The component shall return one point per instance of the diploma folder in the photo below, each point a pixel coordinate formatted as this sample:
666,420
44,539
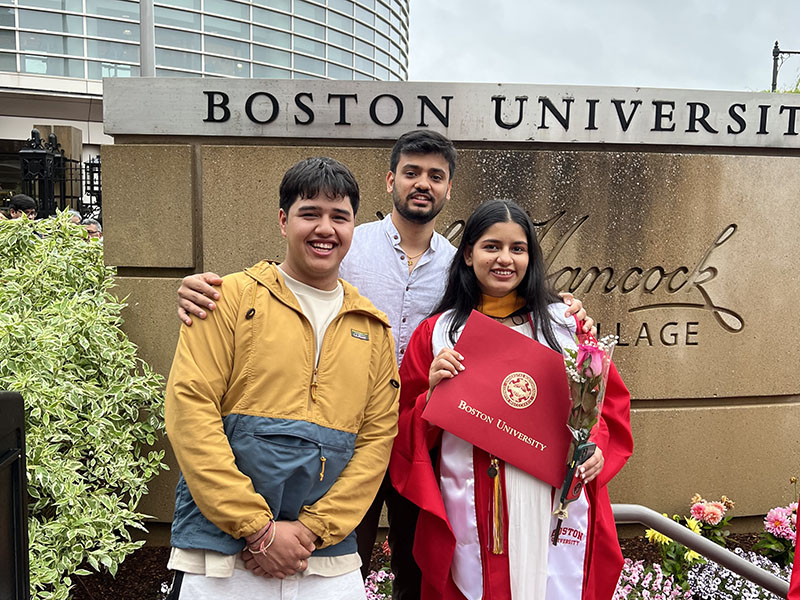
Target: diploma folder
511,400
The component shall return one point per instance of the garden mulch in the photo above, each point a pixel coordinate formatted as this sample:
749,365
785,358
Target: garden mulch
142,575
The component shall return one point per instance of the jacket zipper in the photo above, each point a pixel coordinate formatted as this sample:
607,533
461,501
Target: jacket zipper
314,385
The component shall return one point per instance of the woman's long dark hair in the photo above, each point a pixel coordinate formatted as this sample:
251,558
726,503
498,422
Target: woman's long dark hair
463,293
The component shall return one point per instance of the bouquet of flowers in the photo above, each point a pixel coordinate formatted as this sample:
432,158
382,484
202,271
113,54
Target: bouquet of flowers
587,370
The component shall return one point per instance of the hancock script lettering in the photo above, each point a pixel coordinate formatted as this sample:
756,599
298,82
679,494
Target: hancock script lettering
679,280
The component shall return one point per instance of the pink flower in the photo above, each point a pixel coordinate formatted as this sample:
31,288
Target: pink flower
698,510
589,361
778,524
714,511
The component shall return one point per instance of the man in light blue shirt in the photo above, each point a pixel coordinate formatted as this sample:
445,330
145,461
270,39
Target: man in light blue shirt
400,263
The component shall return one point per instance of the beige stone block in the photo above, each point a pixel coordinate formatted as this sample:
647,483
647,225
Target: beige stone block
151,322
151,317
747,451
148,213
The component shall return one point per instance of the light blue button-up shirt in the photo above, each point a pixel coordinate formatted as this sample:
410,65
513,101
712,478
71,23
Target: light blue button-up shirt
378,267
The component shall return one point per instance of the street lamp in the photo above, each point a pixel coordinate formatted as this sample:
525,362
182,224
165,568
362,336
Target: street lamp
777,53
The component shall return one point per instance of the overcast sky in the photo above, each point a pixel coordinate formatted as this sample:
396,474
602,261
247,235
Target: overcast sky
696,44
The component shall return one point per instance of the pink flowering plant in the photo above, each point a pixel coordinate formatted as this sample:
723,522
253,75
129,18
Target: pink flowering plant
778,541
378,583
712,517
640,582
708,518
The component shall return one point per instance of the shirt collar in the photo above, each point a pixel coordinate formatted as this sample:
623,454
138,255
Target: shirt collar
394,235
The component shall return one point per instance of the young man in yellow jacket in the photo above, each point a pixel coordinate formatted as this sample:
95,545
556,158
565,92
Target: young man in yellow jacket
281,408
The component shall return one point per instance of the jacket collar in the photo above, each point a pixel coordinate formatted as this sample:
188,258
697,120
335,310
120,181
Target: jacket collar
267,274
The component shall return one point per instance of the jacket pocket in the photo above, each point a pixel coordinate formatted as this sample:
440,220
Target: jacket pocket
291,471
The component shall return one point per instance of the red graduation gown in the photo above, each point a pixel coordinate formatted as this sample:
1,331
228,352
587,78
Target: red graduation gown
413,475
794,586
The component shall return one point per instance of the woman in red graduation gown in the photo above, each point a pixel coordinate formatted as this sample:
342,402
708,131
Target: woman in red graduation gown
498,270
794,586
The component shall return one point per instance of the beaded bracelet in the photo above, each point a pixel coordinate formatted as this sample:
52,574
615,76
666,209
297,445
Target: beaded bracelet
262,549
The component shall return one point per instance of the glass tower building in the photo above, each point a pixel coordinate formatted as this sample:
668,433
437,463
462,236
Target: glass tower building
91,39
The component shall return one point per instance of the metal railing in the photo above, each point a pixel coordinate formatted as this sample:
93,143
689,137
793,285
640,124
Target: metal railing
634,513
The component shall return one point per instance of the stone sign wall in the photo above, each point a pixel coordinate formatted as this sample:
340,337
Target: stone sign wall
687,255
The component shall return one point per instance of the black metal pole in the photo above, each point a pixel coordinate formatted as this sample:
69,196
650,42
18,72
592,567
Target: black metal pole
776,52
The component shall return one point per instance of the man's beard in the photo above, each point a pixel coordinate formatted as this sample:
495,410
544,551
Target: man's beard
415,216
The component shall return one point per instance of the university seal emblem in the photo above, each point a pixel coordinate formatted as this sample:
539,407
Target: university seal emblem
518,389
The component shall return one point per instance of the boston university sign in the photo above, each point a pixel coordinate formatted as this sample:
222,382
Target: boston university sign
466,112
671,213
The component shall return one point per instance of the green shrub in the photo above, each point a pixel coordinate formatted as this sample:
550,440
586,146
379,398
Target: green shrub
92,408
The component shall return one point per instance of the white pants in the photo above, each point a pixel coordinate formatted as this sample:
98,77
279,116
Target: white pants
246,586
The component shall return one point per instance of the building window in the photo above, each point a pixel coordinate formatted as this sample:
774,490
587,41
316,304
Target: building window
51,65
98,70
178,59
340,39
279,4
340,56
228,9
306,63
224,66
112,51
227,27
178,39
345,6
338,72
272,55
232,48
272,37
177,18
272,18
113,8
8,62
270,72
56,22
68,5
309,46
117,30
8,40
309,29
52,44
190,4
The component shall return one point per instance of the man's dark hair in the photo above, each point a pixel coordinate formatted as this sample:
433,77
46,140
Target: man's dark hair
311,176
22,202
423,141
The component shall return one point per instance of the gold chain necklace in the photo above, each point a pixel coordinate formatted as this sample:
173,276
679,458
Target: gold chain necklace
411,259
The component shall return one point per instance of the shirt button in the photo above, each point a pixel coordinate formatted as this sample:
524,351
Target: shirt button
404,319
402,350
395,237
407,288
402,257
